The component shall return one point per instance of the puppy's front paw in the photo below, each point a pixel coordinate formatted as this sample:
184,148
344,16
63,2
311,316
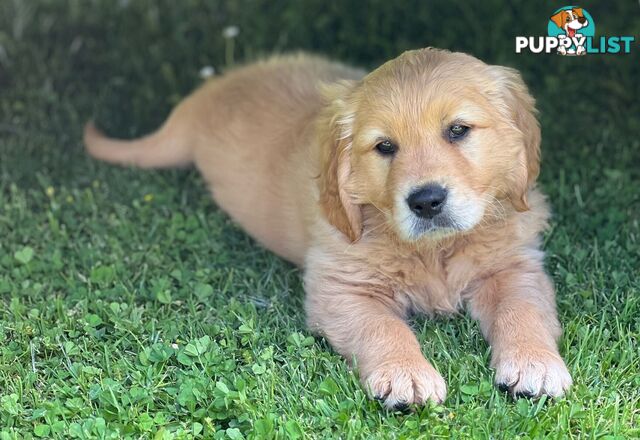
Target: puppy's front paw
399,383
531,373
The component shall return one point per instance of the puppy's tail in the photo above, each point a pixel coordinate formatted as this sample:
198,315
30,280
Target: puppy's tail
165,148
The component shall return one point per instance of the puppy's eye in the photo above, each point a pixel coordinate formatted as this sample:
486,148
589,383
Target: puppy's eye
387,148
457,132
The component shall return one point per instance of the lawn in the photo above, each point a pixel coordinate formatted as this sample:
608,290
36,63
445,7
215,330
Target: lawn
131,307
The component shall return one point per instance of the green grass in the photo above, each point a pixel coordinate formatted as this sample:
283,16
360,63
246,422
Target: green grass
131,307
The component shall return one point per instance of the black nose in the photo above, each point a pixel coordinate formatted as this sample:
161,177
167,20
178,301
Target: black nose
427,202
581,20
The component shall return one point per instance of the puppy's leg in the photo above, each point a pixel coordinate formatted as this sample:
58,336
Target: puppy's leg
363,323
517,314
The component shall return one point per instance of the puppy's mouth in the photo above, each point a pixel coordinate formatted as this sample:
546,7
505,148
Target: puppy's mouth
441,225
415,228
431,213
457,215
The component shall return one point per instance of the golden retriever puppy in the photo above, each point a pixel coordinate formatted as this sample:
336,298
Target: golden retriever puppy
408,189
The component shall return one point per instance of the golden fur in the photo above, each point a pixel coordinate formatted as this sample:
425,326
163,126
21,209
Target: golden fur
287,147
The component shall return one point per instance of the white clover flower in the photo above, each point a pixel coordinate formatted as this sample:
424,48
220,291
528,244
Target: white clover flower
230,32
207,71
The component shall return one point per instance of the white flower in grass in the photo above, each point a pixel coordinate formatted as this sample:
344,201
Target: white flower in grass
207,71
230,32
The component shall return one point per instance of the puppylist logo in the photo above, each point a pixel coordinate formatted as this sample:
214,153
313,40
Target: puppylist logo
571,31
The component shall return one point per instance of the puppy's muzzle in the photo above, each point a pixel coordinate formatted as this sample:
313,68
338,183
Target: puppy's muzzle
427,201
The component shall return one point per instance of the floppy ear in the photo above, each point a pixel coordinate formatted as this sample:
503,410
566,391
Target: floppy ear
522,112
335,137
558,19
578,12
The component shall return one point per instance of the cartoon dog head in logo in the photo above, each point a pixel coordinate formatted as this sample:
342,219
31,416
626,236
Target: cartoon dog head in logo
571,21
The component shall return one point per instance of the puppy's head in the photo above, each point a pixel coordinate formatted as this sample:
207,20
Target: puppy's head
436,141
